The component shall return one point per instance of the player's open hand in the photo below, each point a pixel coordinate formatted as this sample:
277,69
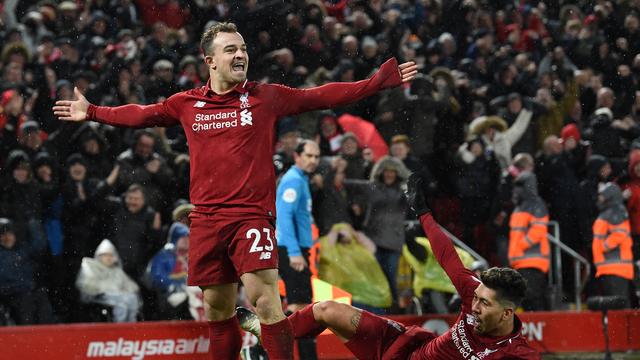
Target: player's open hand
408,70
72,110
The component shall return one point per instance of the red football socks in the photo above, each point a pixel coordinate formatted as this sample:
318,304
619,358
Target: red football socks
225,339
304,323
277,340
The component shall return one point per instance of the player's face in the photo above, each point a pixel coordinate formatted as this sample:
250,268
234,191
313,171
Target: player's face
489,313
308,160
230,59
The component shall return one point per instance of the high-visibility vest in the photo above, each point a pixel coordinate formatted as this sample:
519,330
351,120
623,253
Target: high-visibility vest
611,248
528,243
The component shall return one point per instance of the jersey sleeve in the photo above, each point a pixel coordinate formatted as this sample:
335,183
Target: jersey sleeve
290,101
138,116
287,201
463,279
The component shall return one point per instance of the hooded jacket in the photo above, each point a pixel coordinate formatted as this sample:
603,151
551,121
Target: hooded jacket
95,278
162,273
612,242
528,242
386,205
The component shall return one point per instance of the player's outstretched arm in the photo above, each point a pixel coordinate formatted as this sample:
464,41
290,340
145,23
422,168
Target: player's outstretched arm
291,101
72,110
130,115
441,244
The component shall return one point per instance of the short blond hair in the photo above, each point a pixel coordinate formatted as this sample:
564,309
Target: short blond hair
210,34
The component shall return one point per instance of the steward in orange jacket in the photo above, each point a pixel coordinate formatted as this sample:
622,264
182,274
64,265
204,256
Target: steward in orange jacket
611,235
528,243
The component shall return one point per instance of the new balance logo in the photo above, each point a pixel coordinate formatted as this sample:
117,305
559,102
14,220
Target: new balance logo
265,256
199,104
246,118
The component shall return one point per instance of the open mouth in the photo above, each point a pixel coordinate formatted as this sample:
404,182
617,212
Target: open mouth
238,66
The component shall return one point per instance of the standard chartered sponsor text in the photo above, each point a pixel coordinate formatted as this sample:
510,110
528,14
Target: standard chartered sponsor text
138,349
205,122
462,343
217,116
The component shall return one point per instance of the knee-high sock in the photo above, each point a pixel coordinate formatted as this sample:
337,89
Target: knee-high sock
277,340
304,324
225,339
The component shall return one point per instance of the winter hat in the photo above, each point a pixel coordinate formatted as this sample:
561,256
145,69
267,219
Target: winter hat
178,231
162,64
29,127
6,96
349,135
181,211
67,6
43,158
6,226
17,158
106,247
75,159
570,131
590,19
604,111
401,138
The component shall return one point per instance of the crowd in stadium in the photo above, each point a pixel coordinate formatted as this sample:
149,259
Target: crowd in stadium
538,95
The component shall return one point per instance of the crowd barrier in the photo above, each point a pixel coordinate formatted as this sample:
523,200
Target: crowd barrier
551,332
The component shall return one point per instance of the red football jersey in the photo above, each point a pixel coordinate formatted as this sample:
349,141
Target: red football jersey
460,341
231,136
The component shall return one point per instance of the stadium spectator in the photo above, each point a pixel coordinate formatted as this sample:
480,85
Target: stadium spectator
612,244
528,243
385,211
141,164
332,201
27,303
101,280
84,207
20,196
477,179
136,231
